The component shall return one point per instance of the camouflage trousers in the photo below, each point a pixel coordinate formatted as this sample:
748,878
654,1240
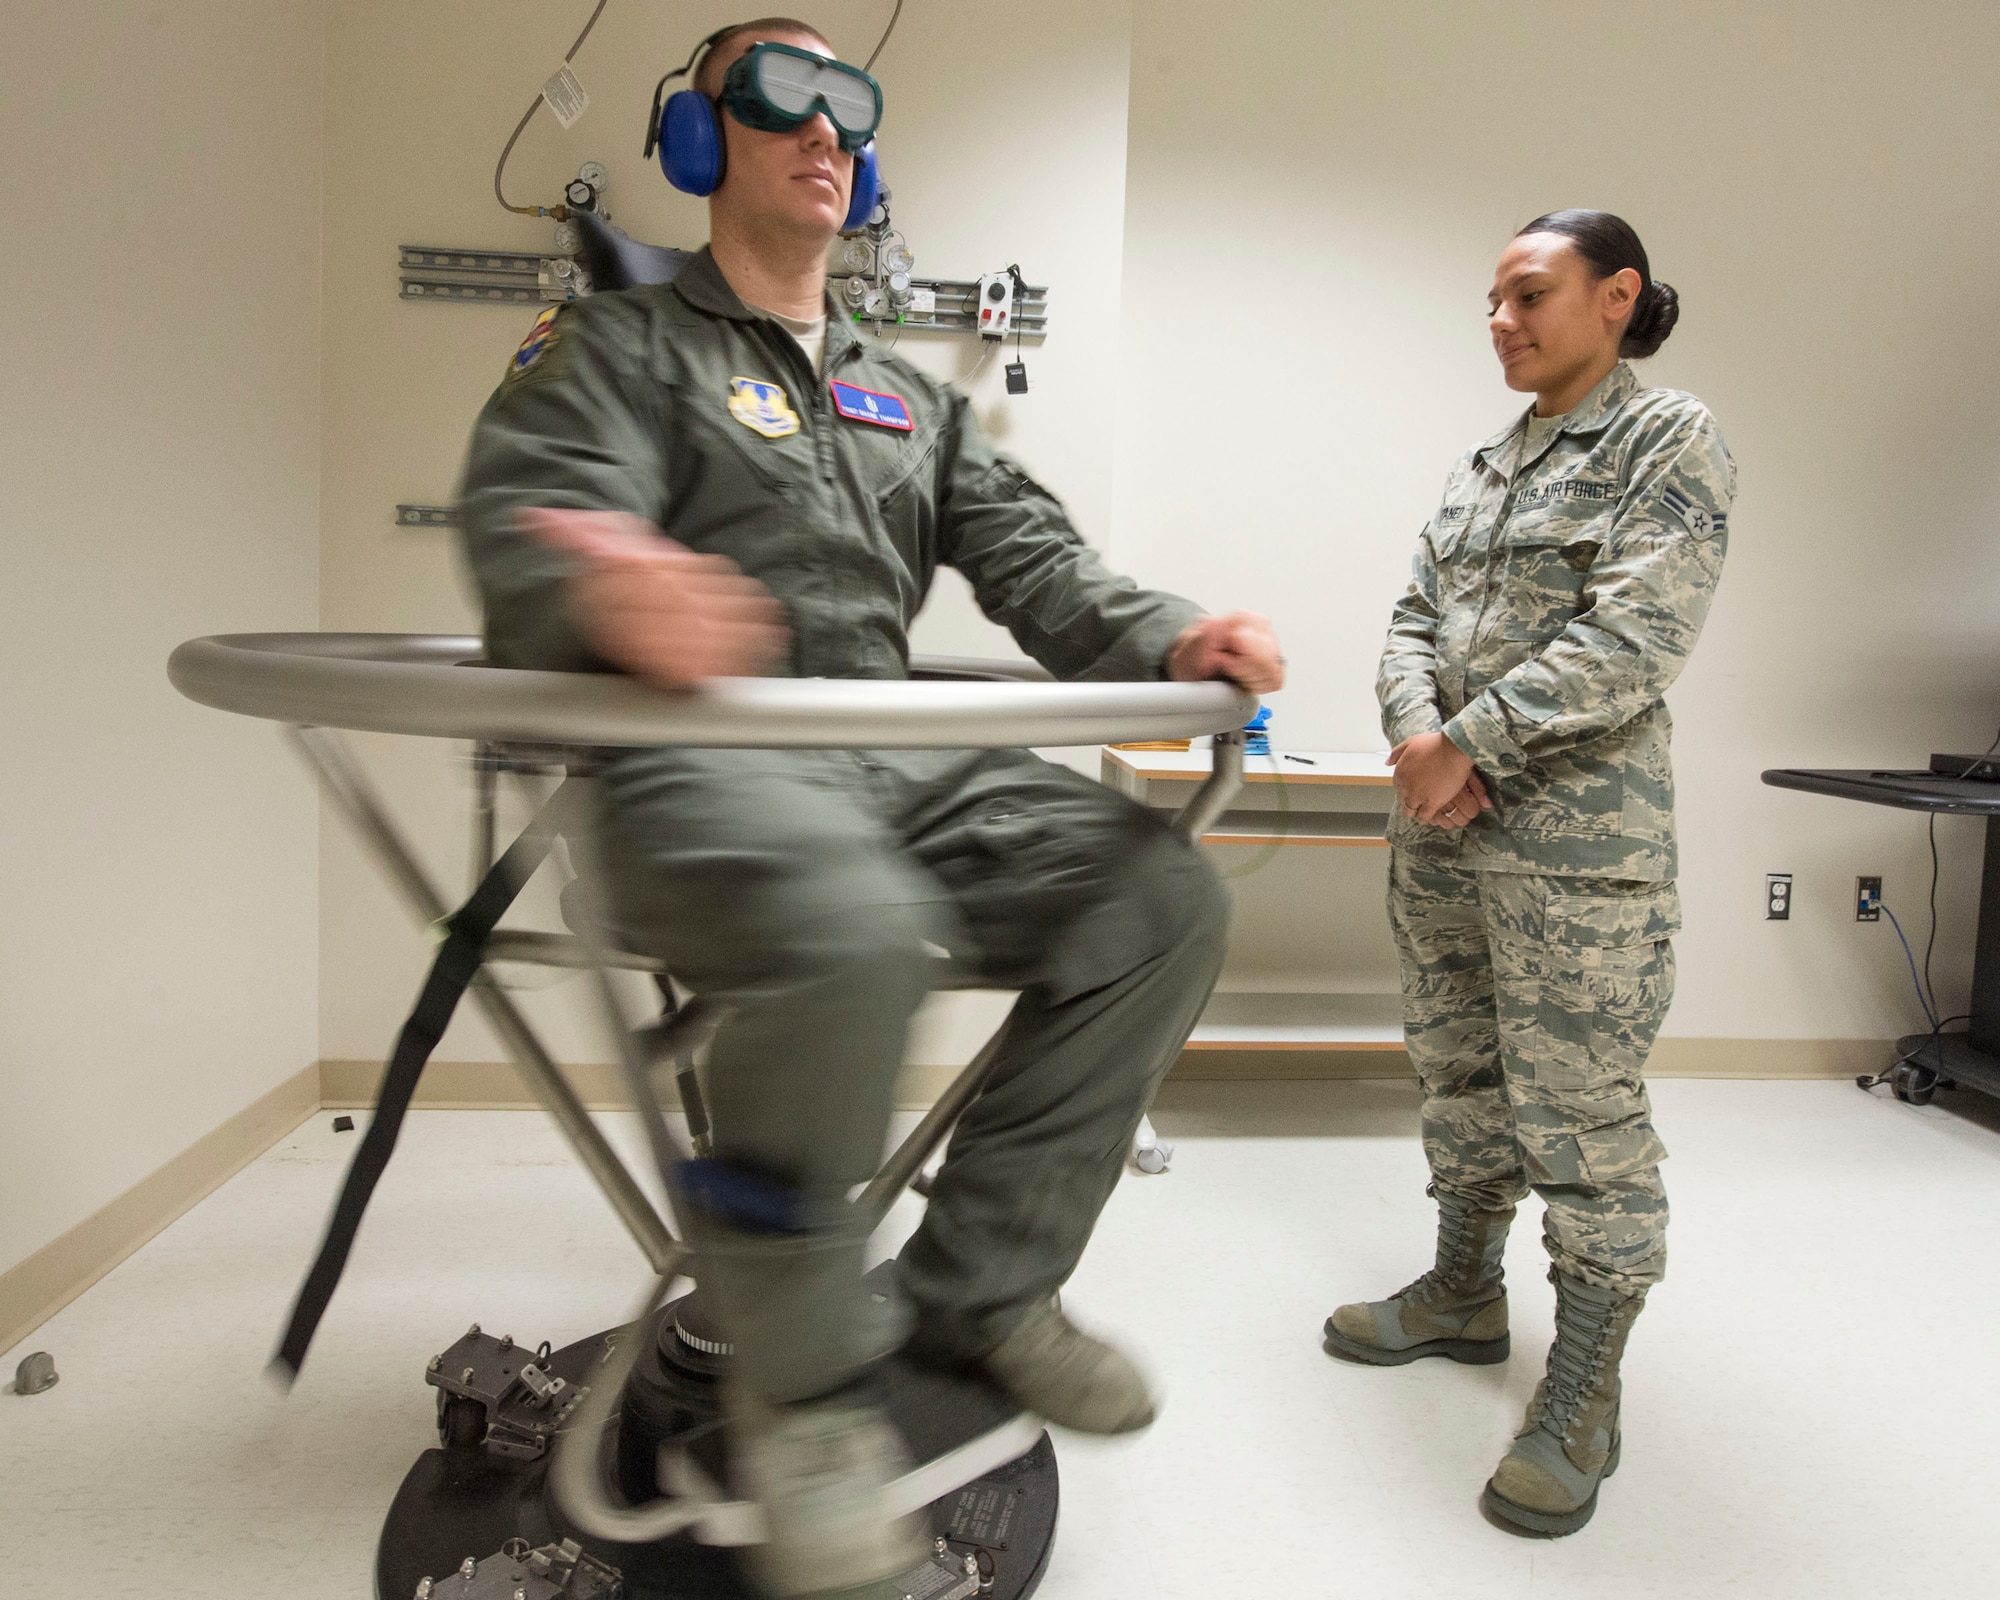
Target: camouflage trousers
1530,1005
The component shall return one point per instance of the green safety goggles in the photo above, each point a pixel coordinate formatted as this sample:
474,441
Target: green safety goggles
776,87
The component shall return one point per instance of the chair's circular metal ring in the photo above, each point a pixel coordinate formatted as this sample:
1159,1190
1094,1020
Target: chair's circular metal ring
425,684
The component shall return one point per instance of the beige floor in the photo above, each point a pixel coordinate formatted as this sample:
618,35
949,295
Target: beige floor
1812,1399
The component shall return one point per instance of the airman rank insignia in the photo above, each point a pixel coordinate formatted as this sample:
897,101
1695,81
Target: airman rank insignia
540,338
762,408
1698,520
871,405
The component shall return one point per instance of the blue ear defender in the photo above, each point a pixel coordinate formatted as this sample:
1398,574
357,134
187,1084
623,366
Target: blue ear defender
691,155
867,188
690,140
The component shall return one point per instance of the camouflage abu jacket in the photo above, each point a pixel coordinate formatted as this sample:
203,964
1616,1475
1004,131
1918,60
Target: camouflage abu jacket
1553,602
842,494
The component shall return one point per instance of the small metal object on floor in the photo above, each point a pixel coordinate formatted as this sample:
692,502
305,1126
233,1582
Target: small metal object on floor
35,1373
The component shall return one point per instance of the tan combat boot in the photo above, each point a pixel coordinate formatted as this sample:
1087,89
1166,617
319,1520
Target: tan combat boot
1457,1309
1053,1368
1569,1442
820,1469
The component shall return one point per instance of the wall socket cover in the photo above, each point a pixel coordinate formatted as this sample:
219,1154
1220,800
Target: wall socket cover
1777,897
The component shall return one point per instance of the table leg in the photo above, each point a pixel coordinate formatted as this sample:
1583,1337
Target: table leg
1984,1033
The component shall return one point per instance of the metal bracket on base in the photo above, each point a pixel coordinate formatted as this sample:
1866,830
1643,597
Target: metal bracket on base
524,1404
552,1572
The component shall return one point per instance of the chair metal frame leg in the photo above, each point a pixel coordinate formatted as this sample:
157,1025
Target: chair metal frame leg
574,1470
356,799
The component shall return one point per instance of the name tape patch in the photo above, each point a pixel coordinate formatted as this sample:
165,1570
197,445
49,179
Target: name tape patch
871,405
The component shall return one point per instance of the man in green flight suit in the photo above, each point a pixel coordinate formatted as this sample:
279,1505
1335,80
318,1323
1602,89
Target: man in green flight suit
690,480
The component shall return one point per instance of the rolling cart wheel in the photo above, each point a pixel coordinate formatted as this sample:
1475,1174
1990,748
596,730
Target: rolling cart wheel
461,1423
1914,1084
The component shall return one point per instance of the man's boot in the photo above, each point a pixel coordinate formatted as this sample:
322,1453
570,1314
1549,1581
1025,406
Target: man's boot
1053,1368
1457,1309
1569,1441
819,1469
1048,1366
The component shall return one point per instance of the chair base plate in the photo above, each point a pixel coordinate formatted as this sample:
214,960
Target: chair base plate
460,1502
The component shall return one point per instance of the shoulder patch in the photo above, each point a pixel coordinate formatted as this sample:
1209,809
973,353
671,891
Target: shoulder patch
1697,519
541,339
762,407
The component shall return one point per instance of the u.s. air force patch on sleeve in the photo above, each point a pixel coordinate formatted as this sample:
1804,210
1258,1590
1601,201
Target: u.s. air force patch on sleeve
1698,519
762,407
541,339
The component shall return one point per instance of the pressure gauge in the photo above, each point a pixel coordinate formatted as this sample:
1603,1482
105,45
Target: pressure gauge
896,256
859,256
568,238
873,302
593,173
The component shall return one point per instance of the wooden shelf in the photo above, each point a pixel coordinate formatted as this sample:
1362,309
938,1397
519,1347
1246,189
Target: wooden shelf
1360,769
1339,798
1300,1022
1362,829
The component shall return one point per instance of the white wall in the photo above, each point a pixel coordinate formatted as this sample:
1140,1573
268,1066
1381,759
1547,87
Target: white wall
159,461
1267,348
420,100
1315,198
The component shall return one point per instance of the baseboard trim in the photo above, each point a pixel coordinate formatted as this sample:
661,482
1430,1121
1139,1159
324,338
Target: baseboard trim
37,1288
1769,1058
498,1086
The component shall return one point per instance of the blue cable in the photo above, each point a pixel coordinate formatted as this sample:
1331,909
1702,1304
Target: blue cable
1909,955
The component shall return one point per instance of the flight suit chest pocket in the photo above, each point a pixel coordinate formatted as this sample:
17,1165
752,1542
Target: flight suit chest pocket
769,452
900,476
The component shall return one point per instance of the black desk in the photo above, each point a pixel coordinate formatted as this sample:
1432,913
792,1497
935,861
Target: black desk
1971,1058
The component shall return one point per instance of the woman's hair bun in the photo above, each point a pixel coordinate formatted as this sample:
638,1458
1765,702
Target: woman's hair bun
1654,314
1610,244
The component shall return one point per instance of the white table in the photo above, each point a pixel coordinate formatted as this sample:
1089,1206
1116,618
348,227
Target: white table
1339,799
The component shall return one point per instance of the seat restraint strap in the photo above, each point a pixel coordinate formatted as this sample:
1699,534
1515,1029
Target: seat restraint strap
457,964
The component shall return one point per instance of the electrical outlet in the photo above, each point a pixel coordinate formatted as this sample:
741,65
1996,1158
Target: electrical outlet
1777,897
1867,899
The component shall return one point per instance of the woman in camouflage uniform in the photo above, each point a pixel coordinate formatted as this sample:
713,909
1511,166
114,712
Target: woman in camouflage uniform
1557,594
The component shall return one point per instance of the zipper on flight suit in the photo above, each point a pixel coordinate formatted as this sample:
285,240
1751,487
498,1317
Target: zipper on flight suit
826,456
792,356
